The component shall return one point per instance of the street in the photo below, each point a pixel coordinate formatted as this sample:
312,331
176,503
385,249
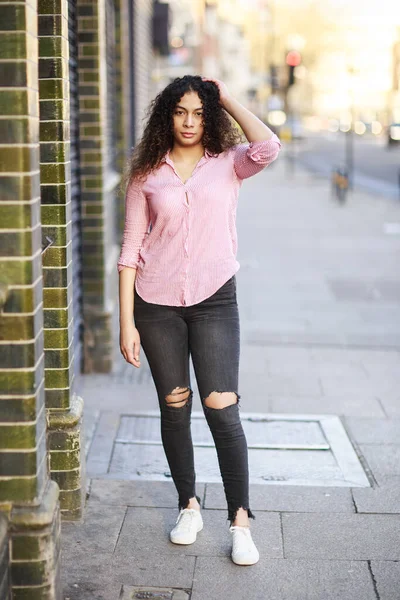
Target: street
377,168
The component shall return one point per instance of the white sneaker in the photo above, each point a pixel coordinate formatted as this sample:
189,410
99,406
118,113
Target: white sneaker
188,524
244,551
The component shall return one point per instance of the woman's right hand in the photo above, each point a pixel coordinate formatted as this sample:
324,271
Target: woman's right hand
129,343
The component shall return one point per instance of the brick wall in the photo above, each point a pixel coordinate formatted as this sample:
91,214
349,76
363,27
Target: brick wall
65,409
23,466
99,182
27,496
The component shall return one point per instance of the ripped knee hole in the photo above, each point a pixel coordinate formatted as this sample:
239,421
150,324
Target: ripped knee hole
220,400
178,397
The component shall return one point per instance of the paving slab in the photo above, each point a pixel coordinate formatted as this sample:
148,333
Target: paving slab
287,498
384,461
348,384
87,574
145,532
98,390
90,569
379,500
391,405
374,431
342,405
137,493
253,363
86,549
90,420
97,532
340,369
294,358
288,384
387,576
220,579
380,362
334,536
91,590
100,450
154,570
342,358
253,394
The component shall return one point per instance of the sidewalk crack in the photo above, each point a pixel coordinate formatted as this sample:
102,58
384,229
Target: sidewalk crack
382,407
374,583
281,527
194,571
110,459
120,529
353,500
204,496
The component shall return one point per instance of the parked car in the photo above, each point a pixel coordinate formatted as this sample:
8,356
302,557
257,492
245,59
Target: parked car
393,134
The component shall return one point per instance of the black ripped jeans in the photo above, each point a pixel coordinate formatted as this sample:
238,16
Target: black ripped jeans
209,333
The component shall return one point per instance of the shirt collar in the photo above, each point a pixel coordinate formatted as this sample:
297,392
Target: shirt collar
207,154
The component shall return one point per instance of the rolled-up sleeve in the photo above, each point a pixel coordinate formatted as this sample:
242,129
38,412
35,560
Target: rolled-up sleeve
250,159
137,222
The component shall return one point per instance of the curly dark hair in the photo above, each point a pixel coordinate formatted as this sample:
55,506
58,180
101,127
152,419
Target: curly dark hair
220,132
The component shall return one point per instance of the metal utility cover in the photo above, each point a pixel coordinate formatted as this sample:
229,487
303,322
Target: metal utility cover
151,593
283,448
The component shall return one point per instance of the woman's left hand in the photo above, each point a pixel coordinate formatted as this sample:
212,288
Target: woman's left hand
223,90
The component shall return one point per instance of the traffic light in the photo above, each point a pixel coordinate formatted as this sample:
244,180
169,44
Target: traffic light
293,59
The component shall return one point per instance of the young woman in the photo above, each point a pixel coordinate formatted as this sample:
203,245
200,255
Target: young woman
177,277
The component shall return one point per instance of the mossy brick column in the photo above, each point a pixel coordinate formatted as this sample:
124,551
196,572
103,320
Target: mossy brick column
28,497
4,559
99,180
65,408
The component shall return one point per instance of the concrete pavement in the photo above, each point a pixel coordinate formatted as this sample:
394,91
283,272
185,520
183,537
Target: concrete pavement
319,297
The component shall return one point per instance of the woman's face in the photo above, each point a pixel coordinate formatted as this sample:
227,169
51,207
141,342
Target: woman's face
188,120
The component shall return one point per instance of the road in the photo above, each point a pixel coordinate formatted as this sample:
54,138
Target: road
377,169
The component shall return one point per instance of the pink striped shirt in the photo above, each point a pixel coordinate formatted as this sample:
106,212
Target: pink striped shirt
189,251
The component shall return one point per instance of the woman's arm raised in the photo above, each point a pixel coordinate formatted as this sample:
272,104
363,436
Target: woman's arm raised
263,147
253,128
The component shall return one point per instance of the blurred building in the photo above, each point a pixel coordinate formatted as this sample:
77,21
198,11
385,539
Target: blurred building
348,57
353,75
185,19
75,77
205,40
243,57
234,64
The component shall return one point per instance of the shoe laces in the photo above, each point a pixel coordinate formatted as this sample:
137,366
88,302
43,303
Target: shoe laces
186,518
